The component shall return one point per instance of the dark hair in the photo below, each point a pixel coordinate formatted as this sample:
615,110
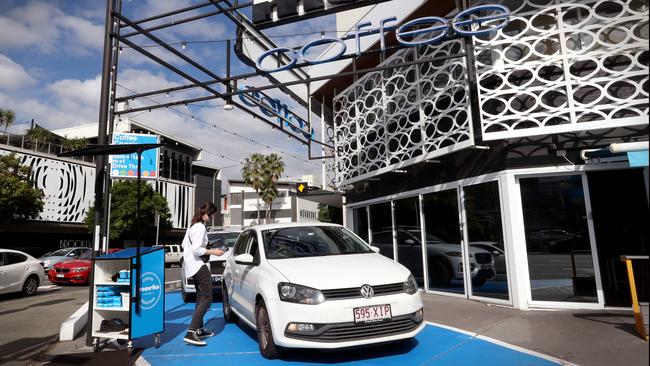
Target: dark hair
206,208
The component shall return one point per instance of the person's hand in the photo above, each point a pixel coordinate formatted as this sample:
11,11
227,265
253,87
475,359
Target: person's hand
216,252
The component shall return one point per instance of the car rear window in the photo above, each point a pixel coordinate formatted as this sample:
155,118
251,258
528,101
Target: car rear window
311,241
228,238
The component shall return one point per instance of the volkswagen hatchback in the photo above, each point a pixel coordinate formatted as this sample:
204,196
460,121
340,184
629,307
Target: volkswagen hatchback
318,286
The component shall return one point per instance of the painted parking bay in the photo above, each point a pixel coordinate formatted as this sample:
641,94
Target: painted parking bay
236,344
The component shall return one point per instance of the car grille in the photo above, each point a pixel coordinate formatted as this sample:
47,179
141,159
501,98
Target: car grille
355,292
483,258
216,268
62,270
341,332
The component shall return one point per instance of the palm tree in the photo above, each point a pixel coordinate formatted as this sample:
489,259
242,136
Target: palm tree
7,118
273,169
252,172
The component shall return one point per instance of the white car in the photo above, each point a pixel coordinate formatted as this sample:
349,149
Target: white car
224,239
173,254
318,286
19,272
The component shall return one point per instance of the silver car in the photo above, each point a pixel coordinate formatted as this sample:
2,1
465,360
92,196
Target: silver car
52,258
224,239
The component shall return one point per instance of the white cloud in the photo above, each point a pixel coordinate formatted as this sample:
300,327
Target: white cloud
47,29
12,75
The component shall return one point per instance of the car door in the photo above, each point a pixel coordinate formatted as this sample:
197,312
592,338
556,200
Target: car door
16,269
249,278
4,278
233,277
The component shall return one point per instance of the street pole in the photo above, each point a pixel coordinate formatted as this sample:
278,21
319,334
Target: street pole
100,167
214,177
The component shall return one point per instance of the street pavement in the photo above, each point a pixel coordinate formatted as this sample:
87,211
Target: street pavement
29,326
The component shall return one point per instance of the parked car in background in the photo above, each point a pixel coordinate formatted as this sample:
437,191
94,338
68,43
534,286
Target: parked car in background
52,258
173,254
444,259
318,286
497,253
223,239
73,271
19,272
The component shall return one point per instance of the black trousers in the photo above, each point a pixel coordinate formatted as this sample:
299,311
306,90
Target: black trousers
203,286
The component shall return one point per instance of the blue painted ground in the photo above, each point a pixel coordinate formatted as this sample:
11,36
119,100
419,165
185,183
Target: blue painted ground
236,344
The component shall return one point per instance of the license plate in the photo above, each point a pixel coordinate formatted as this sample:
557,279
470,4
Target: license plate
216,279
59,276
367,314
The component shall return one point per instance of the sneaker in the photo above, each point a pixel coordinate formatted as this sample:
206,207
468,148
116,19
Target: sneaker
192,338
203,333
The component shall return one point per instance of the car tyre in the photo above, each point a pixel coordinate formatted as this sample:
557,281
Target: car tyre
30,286
265,340
228,315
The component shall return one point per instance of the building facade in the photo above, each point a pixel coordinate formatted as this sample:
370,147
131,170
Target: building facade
512,154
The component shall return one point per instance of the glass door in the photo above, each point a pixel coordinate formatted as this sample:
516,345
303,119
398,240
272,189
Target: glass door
560,262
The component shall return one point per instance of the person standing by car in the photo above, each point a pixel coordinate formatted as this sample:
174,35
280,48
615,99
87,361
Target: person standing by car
194,247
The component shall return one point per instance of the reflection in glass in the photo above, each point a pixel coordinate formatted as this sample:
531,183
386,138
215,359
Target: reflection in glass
444,255
382,228
409,236
361,222
487,256
559,252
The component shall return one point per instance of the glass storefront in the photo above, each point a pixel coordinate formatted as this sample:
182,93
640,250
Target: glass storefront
408,231
361,222
560,262
381,223
487,253
442,232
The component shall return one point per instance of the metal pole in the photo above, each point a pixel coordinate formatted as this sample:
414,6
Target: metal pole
100,169
243,199
214,177
137,236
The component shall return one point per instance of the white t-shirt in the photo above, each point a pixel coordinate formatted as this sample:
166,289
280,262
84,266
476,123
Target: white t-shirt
193,249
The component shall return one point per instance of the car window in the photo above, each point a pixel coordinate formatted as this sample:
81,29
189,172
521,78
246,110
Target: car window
2,258
86,255
13,258
58,253
168,249
253,248
242,242
225,238
311,241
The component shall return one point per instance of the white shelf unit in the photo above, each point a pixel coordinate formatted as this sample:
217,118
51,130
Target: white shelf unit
104,271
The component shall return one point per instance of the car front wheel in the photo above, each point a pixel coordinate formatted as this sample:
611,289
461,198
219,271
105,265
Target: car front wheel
30,286
228,315
267,346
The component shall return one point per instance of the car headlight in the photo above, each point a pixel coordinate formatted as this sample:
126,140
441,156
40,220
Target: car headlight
410,286
80,269
46,263
300,294
454,254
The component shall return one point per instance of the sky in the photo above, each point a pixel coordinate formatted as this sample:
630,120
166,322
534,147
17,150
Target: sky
50,71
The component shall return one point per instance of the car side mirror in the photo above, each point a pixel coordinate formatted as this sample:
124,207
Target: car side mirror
496,253
409,241
244,259
375,249
71,255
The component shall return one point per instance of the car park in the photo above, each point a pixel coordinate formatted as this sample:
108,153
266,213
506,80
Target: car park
19,272
173,254
223,239
73,271
318,286
54,257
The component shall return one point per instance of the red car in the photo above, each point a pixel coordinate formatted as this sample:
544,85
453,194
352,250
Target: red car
74,271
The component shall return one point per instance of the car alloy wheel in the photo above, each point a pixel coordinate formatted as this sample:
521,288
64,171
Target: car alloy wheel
30,286
267,346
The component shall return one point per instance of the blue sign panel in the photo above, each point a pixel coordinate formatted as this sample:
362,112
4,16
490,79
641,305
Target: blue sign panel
126,165
638,158
151,317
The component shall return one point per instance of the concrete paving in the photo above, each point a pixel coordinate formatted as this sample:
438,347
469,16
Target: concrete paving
603,337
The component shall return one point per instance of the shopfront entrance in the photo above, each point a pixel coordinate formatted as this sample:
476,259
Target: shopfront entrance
620,217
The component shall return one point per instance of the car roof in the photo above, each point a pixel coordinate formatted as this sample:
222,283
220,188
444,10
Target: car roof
290,224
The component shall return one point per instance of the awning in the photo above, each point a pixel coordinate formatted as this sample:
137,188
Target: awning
635,152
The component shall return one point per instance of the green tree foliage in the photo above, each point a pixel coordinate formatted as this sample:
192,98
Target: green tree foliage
74,143
253,175
7,118
331,214
19,199
123,210
262,172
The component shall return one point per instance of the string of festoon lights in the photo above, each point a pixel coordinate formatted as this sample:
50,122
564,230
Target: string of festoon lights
239,135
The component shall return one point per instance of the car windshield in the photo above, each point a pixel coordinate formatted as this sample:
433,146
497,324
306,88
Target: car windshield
311,241
57,253
228,238
86,255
